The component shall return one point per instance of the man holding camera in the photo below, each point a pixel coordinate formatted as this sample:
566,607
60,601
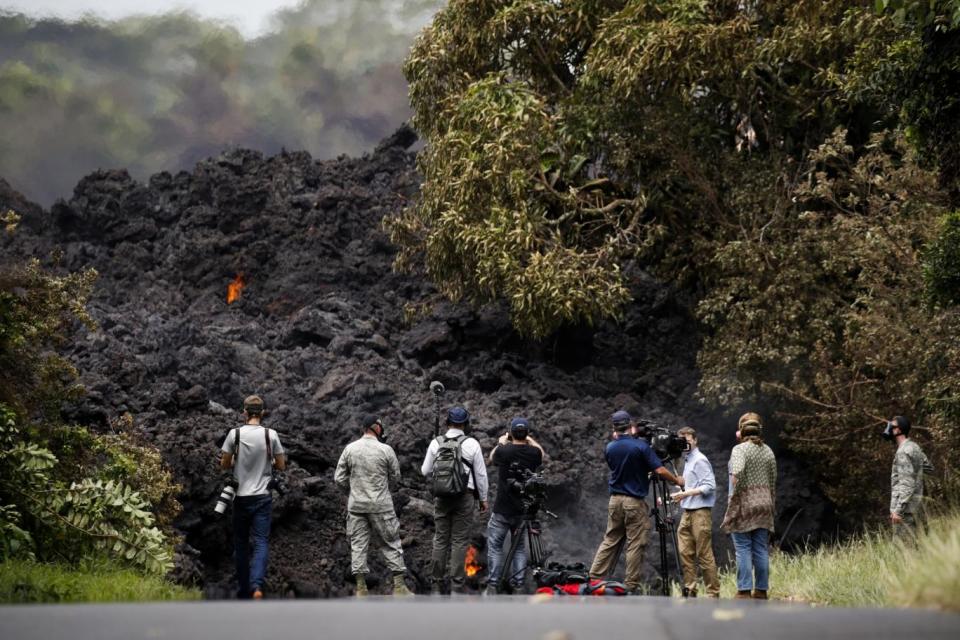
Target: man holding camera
516,451
369,468
631,461
695,533
252,451
906,477
454,462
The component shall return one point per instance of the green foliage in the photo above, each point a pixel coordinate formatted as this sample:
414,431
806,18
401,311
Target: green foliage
941,263
71,521
92,581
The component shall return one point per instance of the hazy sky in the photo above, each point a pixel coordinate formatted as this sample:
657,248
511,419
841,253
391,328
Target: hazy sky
249,16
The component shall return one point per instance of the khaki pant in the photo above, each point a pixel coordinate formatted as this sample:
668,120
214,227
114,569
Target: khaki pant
452,519
628,521
695,542
387,529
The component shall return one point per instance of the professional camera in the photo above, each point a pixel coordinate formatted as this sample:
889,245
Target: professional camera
530,485
278,482
226,497
668,445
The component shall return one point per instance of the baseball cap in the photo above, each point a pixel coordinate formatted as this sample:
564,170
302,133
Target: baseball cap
520,422
369,420
457,415
621,419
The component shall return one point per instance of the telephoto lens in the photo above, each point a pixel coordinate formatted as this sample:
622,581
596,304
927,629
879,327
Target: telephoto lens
226,497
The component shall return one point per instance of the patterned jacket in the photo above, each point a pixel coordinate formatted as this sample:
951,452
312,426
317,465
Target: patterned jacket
752,498
906,478
369,468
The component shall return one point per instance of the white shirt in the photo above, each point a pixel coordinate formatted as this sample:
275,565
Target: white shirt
469,451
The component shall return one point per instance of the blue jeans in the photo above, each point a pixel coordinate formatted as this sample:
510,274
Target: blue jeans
753,559
251,518
497,530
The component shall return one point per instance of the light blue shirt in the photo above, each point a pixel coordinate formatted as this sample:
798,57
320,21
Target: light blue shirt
698,474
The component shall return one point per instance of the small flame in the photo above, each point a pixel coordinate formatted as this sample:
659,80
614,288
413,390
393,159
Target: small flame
470,564
234,288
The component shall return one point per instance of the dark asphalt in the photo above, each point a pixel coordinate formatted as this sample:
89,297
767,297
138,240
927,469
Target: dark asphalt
472,618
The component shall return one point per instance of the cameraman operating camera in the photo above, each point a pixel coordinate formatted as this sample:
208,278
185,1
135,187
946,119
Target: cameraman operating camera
631,461
516,452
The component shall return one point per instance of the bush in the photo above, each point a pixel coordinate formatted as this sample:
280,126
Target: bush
26,581
941,268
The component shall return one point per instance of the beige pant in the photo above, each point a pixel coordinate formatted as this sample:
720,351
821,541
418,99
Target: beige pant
695,542
628,521
386,527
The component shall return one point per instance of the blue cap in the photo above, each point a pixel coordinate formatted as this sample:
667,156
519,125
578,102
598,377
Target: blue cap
519,422
621,419
457,415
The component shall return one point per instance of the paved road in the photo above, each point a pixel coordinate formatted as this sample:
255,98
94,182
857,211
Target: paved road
472,618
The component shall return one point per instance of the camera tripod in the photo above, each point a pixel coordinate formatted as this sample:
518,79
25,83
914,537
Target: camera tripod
663,520
532,529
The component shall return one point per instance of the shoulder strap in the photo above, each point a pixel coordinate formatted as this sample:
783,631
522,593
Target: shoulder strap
236,445
266,437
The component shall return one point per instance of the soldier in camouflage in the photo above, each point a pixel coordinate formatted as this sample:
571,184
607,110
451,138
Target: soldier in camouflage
369,468
906,478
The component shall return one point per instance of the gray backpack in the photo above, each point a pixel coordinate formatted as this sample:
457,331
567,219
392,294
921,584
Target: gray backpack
449,480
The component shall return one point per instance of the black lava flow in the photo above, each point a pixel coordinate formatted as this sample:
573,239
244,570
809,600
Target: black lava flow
320,330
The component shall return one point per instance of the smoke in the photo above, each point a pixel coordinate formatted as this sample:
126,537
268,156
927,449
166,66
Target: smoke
155,93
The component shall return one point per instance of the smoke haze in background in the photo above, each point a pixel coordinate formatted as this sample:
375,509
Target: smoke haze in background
162,92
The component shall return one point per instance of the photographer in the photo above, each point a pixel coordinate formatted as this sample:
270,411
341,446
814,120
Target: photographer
695,533
515,452
369,468
252,451
631,461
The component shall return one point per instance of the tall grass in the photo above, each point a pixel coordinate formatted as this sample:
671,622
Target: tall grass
24,581
873,570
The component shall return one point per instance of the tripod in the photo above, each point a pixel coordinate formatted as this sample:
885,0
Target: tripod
532,529
663,520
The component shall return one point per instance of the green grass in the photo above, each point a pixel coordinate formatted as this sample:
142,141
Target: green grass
24,581
873,570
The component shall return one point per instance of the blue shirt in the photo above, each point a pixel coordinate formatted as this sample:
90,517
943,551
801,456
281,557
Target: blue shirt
630,460
698,474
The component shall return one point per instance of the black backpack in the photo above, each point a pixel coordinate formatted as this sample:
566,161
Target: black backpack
449,480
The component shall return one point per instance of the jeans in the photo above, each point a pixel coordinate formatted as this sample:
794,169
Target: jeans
251,517
497,530
753,559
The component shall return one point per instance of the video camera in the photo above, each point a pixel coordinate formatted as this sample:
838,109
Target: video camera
667,444
531,486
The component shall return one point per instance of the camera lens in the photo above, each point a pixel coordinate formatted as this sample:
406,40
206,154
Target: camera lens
226,497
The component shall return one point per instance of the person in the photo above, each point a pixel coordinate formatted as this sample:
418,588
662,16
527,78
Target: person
631,461
369,468
695,533
751,506
516,450
252,450
453,508
906,478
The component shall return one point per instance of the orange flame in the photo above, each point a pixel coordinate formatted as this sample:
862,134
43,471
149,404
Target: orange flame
234,288
470,564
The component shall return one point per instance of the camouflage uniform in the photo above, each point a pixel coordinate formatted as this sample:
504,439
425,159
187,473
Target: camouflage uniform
370,468
906,485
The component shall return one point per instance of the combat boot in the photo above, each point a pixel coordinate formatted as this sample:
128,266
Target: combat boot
400,587
361,591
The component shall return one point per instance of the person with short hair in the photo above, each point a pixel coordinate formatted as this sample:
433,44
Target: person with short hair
516,450
252,451
695,533
751,507
453,514
369,468
631,461
906,478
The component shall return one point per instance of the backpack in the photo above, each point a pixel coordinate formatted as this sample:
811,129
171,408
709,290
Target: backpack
449,479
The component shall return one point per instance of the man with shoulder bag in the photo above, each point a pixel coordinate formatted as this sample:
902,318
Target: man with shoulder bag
458,481
253,451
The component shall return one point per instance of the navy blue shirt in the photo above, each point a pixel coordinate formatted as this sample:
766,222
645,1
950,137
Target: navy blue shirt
630,460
